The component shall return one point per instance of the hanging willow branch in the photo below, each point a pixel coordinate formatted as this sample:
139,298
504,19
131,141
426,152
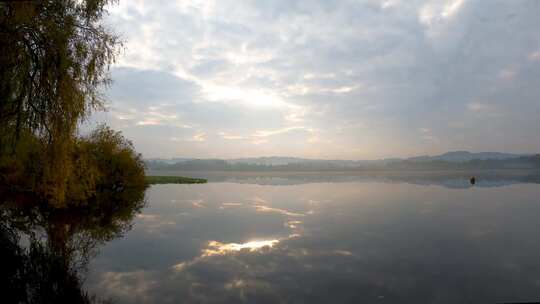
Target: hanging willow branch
54,58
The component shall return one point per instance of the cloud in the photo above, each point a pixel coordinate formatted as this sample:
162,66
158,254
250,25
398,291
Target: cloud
267,133
200,137
218,248
228,136
147,122
262,208
353,236
439,10
484,109
478,107
508,73
367,73
534,56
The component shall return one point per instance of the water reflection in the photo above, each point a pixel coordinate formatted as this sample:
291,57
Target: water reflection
349,242
449,179
217,248
346,242
46,250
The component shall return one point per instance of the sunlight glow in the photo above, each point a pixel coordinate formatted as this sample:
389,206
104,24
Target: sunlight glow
247,96
218,248
452,8
431,13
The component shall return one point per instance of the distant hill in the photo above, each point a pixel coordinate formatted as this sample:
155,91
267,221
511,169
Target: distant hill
167,160
268,161
460,160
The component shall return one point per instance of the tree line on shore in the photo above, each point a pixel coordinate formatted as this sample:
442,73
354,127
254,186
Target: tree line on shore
522,162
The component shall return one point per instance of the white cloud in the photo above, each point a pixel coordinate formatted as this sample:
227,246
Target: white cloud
263,76
451,8
437,11
267,133
148,122
199,137
228,136
389,3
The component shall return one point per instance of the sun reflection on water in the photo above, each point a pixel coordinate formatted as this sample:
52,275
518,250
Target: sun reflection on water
218,248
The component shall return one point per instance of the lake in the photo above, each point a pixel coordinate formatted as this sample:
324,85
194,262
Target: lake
336,239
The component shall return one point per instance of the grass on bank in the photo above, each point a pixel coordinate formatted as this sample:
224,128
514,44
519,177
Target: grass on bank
154,180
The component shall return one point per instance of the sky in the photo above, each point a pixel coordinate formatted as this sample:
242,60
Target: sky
352,79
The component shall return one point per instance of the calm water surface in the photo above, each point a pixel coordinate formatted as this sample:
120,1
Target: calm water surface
327,242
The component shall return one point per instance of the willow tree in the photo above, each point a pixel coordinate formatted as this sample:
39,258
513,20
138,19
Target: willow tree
54,59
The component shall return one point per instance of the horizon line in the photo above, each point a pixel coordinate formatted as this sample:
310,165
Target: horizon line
338,159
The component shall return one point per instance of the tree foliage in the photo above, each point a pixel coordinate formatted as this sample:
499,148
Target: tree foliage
54,58
105,161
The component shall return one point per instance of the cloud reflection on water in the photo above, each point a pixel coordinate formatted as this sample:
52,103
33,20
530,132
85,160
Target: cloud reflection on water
218,248
363,242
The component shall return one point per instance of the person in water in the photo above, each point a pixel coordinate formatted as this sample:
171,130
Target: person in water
473,180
